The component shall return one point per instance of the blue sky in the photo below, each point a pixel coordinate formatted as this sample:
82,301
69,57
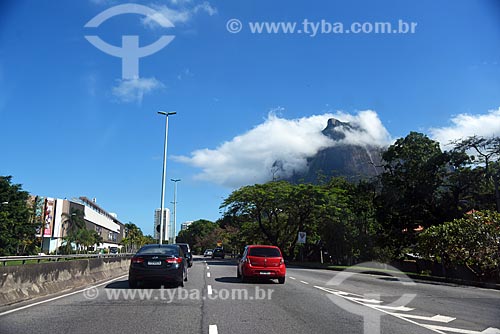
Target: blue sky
69,127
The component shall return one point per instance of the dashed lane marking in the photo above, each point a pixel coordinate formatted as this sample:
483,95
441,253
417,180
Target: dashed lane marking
212,329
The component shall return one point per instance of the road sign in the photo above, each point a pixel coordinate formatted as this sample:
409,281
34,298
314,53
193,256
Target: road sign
302,238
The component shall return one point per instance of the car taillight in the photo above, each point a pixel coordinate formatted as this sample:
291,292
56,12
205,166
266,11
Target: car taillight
137,260
247,260
174,260
281,261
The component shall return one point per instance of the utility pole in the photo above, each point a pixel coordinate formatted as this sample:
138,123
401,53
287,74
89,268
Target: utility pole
164,172
175,208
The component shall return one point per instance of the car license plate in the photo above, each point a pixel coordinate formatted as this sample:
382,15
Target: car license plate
154,263
265,273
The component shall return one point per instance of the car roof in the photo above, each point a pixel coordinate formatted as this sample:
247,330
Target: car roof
162,245
262,246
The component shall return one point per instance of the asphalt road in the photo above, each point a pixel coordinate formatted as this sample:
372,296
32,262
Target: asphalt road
214,301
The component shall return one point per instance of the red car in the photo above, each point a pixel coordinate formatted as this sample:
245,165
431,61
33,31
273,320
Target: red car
262,261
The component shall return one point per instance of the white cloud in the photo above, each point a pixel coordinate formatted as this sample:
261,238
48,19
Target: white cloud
369,132
465,125
249,158
183,14
133,90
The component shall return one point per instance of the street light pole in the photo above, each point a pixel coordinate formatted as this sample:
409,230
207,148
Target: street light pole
164,171
175,207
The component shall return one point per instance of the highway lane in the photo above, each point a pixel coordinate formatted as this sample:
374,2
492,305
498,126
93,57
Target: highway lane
214,299
472,308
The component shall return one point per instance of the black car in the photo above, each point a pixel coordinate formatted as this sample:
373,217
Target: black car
158,263
218,252
187,251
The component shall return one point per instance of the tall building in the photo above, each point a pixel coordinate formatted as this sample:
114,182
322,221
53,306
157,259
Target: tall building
185,225
166,223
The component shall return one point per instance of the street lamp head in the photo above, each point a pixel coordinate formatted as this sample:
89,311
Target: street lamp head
169,113
5,203
175,180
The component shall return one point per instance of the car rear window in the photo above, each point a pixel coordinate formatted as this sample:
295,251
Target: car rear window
264,252
184,248
170,251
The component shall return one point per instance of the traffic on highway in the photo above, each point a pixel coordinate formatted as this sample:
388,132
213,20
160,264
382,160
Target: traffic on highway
215,300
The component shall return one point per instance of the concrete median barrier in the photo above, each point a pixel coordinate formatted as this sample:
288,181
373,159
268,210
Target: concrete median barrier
23,282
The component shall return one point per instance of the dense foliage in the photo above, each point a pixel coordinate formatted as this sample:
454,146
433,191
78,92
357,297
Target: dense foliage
400,212
17,229
472,241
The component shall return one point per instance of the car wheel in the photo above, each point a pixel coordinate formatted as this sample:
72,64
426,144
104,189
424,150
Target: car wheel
132,284
186,276
238,275
281,280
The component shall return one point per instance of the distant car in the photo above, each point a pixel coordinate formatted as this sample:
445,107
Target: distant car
158,263
187,251
113,250
218,252
262,261
208,252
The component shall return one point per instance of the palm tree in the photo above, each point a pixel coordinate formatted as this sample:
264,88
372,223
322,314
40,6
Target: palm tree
133,237
74,222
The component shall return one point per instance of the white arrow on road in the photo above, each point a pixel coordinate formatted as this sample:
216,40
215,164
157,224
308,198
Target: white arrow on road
490,330
436,318
393,308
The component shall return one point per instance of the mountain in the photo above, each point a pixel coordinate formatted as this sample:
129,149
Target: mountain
354,162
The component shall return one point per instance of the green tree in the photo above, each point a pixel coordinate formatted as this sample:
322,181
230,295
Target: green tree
414,170
472,241
134,238
485,156
16,226
195,233
73,223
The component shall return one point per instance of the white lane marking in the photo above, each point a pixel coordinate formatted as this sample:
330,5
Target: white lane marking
436,318
393,308
208,274
381,310
292,277
59,297
208,267
212,329
209,288
363,300
304,282
489,330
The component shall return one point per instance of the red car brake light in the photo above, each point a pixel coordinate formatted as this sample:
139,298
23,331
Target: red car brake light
174,260
137,260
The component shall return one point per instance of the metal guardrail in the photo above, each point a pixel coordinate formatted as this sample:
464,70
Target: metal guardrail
57,258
